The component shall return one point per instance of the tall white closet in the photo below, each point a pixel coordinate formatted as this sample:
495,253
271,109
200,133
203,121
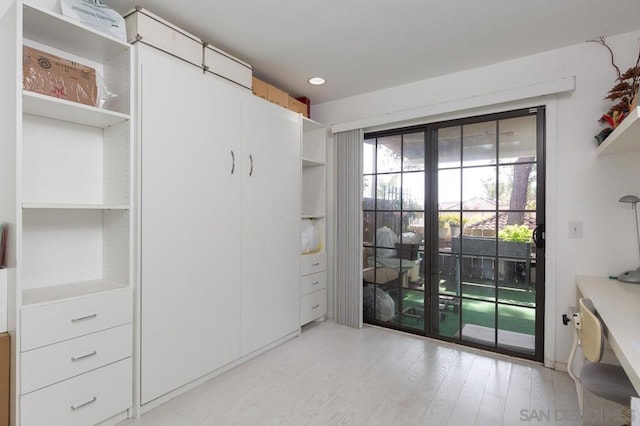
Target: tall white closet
270,224
219,223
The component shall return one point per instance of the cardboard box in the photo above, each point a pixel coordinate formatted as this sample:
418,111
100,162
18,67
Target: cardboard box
274,95
297,106
5,373
260,88
54,76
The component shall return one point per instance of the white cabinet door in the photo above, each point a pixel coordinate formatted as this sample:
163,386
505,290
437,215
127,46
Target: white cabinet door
271,224
190,233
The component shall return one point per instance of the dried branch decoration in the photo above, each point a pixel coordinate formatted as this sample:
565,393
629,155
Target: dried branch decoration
625,91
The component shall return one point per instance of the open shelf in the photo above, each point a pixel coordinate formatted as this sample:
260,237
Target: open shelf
60,292
625,137
56,30
72,112
309,125
55,206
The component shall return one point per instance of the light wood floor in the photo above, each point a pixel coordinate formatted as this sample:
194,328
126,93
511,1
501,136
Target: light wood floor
339,375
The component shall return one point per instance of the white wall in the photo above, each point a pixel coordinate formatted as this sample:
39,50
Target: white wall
4,6
580,187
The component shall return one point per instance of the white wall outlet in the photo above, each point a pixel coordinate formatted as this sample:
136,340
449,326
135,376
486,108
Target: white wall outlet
575,229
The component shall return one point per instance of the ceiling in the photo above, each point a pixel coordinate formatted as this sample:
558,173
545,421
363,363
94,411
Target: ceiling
360,46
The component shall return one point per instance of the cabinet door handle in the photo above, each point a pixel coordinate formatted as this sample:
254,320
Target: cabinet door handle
315,264
84,404
233,162
315,283
88,317
315,306
78,358
251,160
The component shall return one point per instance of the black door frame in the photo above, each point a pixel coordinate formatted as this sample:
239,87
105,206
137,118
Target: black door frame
431,226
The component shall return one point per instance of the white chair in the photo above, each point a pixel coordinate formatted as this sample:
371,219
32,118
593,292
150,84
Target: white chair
604,380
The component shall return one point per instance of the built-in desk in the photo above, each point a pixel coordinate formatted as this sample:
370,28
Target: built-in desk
618,305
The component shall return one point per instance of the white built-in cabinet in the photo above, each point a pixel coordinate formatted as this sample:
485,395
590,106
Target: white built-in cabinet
313,262
270,211
219,214
67,179
190,294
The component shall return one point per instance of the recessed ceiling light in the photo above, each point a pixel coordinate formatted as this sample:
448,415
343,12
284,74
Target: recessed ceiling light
317,81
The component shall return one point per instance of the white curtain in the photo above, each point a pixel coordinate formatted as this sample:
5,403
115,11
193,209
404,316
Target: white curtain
349,228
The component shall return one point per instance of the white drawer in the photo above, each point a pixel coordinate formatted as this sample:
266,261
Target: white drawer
143,26
312,263
52,323
84,400
313,306
313,282
54,363
221,63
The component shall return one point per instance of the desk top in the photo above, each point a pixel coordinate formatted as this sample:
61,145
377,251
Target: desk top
618,305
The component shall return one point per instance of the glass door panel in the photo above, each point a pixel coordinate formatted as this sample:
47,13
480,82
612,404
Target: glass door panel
394,231
449,212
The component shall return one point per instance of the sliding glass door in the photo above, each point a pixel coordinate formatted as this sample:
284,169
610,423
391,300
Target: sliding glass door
450,214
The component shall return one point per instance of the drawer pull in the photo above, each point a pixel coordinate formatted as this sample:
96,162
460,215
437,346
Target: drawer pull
315,283
78,358
84,404
315,264
315,306
88,317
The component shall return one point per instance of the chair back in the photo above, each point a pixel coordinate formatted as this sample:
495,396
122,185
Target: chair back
592,335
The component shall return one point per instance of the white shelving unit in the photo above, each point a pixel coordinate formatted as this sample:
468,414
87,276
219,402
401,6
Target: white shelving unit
625,137
70,196
72,112
313,263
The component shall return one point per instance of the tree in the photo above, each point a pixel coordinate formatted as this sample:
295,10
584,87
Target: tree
519,190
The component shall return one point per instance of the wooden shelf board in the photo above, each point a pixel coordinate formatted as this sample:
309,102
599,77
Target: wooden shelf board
72,112
57,206
69,35
625,137
56,293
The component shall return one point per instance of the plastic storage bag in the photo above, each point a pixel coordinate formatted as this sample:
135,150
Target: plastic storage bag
97,15
310,241
385,237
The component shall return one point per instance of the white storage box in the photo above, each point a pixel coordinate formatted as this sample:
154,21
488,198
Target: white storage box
221,63
145,27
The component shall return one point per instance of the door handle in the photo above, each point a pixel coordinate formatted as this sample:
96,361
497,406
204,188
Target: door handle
251,161
233,162
538,235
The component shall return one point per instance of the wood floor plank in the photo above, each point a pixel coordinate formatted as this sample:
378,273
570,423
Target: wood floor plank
442,404
494,397
467,406
518,396
333,375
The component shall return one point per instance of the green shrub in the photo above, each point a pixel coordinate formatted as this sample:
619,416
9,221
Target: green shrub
517,233
452,219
